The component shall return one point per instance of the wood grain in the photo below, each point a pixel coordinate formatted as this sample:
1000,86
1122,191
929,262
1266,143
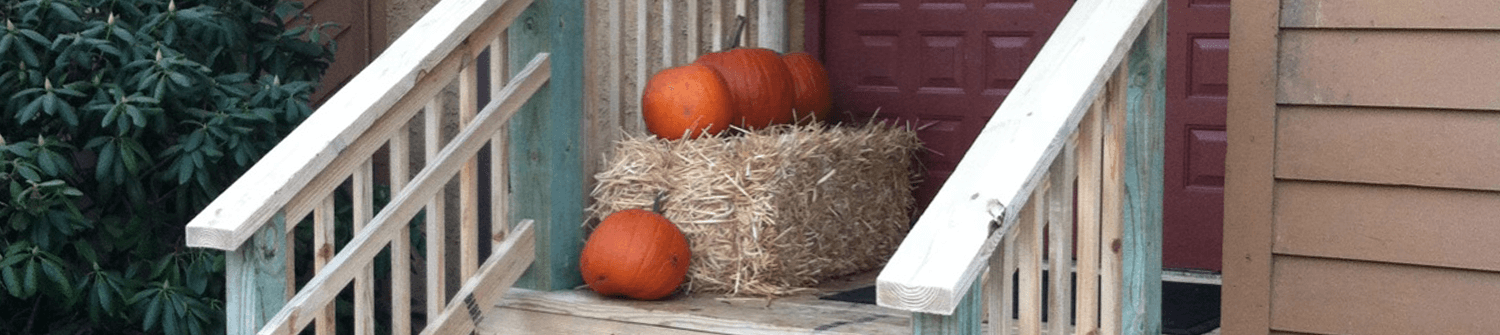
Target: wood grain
1389,68
255,285
1390,14
790,315
944,252
434,230
1145,121
1090,170
324,224
362,249
269,185
1406,225
1434,148
471,305
1060,238
1249,166
1326,296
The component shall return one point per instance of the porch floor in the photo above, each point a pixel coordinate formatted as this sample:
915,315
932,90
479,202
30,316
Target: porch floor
581,311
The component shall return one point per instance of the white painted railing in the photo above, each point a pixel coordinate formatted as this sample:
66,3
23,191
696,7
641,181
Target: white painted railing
254,219
1088,110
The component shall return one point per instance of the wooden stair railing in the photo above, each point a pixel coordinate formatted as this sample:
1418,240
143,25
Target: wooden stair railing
1089,110
254,219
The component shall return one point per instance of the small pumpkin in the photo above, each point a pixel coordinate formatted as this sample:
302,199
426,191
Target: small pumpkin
637,254
690,99
810,95
760,85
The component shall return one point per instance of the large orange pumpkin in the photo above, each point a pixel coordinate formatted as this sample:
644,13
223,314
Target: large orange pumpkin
809,86
688,99
759,84
637,254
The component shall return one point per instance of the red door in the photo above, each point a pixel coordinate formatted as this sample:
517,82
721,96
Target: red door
1197,84
944,66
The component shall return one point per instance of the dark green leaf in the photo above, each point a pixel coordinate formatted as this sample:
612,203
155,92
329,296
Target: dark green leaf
29,278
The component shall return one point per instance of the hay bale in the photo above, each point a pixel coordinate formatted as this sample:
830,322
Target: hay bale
775,210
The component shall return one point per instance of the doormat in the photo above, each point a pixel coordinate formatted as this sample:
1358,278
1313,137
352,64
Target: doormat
1186,309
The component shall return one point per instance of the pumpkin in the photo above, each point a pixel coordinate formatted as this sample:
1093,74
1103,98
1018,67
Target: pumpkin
759,85
637,254
690,99
810,97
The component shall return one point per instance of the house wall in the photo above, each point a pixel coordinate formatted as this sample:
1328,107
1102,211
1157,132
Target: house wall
1362,187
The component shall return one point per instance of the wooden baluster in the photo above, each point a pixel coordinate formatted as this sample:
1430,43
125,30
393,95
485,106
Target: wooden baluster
694,42
1029,255
364,285
742,8
1089,130
1060,236
770,18
499,150
1113,194
997,289
323,228
716,9
642,59
435,238
668,34
468,178
400,155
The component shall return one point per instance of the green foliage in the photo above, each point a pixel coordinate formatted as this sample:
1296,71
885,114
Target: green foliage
121,120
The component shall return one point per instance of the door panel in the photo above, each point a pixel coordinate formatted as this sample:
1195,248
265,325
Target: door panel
942,66
1197,77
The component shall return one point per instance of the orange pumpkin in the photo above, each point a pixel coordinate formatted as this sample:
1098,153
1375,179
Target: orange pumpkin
690,99
759,84
637,254
809,86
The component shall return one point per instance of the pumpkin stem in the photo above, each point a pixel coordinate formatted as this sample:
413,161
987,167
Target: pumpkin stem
656,204
733,41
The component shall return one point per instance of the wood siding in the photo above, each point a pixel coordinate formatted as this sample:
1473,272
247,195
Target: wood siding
1361,185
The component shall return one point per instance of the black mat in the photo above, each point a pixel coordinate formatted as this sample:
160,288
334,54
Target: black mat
1187,309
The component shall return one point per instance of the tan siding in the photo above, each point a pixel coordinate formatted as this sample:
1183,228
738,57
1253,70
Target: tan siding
1424,69
1391,224
1248,168
1446,14
1451,149
1342,297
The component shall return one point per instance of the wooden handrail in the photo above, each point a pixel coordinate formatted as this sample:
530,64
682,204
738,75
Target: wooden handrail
353,123
945,252
362,249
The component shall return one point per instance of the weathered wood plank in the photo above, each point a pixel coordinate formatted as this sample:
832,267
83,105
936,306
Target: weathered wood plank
946,249
1434,148
269,185
791,315
770,17
1328,296
1060,238
996,289
545,143
1249,166
401,251
362,249
499,151
1112,191
428,84
472,303
468,178
1145,121
363,206
1407,225
1029,258
1390,14
1389,68
434,230
966,319
324,224
255,282
1090,169
520,321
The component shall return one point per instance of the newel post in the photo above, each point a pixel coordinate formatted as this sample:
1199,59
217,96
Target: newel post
1144,145
546,142
256,278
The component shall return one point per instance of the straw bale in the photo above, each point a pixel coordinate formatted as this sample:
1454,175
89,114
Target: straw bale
773,211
